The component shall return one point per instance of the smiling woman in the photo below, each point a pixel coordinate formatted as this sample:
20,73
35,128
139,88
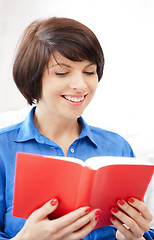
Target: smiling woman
58,66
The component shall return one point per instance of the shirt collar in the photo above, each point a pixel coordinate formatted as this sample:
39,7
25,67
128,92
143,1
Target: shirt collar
86,131
29,131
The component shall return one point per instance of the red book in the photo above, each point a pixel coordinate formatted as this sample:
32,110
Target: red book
99,182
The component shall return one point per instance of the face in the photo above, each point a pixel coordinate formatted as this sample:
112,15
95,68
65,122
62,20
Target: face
68,87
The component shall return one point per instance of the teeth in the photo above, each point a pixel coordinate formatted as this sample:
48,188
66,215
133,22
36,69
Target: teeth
74,99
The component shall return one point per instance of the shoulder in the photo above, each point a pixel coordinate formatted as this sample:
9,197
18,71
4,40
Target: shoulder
21,121
112,141
9,131
100,133
7,144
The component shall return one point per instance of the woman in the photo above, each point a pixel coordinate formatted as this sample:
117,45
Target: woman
58,66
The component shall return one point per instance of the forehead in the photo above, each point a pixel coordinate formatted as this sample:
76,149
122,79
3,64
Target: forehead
59,60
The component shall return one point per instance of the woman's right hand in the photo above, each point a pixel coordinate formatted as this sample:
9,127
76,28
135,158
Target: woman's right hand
74,225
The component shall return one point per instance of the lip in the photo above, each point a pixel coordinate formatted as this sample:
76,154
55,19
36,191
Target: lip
74,96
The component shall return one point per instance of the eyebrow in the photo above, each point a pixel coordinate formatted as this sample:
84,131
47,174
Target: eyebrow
66,65
61,64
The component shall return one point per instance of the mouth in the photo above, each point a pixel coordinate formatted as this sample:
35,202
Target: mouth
75,99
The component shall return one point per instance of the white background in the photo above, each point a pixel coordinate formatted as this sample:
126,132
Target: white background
125,28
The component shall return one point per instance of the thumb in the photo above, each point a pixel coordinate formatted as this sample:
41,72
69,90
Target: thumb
46,209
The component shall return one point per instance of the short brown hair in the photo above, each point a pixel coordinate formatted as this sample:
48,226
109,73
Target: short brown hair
41,39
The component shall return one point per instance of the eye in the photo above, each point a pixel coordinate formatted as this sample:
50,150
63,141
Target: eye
89,73
61,73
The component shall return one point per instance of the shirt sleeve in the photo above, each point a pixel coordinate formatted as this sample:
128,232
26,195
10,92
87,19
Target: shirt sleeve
2,200
149,235
127,150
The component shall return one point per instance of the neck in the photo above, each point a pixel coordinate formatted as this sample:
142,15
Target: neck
60,130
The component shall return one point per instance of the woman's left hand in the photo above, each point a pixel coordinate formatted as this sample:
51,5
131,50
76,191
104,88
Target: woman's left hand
131,219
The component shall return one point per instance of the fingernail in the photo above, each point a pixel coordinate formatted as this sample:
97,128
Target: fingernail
121,202
112,218
53,202
88,209
115,210
98,212
131,200
97,218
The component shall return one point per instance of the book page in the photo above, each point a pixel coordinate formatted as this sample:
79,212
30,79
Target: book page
97,162
68,159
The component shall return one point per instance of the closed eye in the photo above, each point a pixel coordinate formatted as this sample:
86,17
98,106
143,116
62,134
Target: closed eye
61,73
89,73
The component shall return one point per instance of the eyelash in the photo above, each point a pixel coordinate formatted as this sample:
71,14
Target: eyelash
61,74
89,73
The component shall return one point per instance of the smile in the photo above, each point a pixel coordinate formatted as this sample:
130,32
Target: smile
74,99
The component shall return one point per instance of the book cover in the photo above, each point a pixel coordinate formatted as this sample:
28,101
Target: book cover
99,182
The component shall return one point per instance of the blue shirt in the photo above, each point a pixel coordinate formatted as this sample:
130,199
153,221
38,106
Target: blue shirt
25,137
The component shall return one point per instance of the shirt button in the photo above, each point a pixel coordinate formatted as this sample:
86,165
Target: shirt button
72,150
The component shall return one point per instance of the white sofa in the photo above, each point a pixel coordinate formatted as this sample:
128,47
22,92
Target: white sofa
11,117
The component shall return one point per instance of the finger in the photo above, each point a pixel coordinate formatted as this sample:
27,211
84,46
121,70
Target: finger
131,223
46,209
74,222
126,232
141,207
135,214
120,236
83,221
71,217
82,233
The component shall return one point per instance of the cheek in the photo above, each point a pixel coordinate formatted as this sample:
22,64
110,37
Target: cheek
48,88
93,85
47,94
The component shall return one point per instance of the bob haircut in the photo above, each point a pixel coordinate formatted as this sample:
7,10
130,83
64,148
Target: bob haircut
41,40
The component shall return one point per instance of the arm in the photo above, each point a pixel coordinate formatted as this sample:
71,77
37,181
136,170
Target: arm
135,215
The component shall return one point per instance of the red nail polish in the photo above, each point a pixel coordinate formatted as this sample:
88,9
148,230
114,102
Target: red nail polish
97,218
112,218
88,209
98,212
115,210
53,202
131,200
121,202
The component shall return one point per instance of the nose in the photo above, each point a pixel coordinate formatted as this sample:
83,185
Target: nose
78,82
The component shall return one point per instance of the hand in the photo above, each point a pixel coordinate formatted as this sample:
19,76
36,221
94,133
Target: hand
133,221
74,225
